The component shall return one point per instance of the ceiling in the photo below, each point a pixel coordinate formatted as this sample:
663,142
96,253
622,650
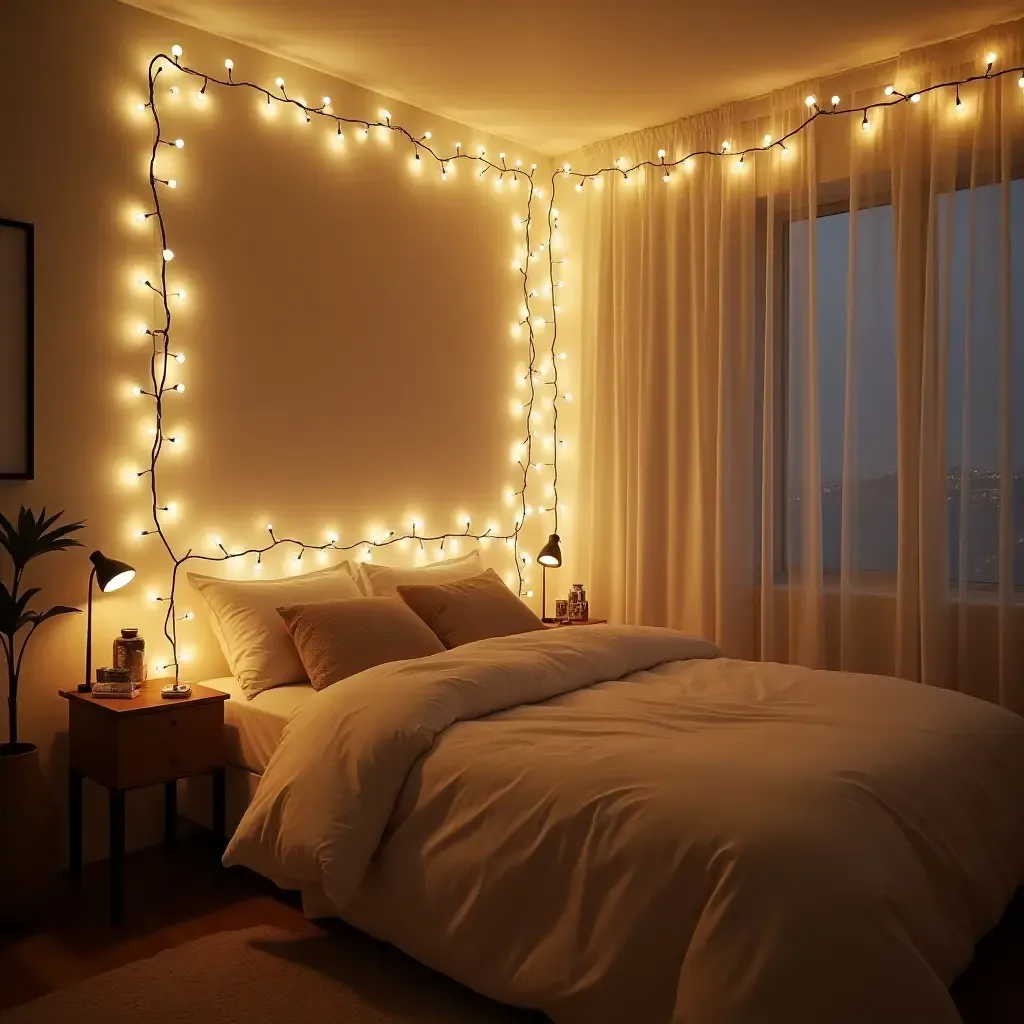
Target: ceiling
555,75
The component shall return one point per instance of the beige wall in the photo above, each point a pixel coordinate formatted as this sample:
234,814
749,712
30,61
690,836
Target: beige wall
346,326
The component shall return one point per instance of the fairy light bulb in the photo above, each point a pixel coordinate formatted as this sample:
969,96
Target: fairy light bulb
889,90
767,140
810,101
428,135
566,168
140,217
136,391
179,388
386,114
279,82
661,154
916,98
326,101
866,124
990,59
168,255
179,357
835,101
173,90
172,183
179,143
175,50
1020,81
666,176
229,63
725,146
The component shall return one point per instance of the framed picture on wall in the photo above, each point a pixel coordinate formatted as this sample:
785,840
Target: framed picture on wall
17,385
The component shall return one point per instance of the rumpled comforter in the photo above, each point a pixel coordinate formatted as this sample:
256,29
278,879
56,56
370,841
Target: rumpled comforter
615,824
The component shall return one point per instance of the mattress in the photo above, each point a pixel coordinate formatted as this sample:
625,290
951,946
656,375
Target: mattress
252,728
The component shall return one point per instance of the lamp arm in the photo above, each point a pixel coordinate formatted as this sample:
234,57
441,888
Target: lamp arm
88,635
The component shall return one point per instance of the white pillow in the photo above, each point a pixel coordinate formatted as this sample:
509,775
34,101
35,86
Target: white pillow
383,581
253,638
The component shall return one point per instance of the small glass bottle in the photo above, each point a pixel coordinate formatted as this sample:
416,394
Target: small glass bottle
130,654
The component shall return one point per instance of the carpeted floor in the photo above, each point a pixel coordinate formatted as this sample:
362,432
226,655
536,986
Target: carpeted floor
262,976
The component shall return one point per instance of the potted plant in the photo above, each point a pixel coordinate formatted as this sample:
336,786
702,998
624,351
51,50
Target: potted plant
28,841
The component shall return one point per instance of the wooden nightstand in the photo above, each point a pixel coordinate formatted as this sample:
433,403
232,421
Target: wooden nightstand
578,622
127,744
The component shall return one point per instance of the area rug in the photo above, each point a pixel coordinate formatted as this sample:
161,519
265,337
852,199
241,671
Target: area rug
266,976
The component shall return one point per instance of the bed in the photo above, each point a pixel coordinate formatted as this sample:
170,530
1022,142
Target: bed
618,824
252,731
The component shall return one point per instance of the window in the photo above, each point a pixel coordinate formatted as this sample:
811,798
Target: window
969,294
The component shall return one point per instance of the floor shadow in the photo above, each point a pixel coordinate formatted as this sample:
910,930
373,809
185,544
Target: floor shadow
390,981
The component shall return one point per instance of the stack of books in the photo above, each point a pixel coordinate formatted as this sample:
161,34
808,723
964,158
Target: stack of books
116,684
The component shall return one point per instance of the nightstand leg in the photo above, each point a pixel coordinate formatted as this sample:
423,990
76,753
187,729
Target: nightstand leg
170,814
219,806
75,824
116,856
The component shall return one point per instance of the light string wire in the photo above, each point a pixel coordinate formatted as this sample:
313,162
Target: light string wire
893,98
161,353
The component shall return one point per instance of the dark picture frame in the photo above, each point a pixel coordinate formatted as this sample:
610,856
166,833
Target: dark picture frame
17,350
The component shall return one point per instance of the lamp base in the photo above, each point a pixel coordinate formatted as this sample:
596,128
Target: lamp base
85,687
547,619
175,691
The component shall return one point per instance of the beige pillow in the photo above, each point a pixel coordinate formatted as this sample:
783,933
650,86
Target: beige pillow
383,581
337,639
253,639
469,610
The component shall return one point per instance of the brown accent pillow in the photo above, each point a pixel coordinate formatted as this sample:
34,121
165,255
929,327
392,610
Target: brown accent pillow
469,610
337,639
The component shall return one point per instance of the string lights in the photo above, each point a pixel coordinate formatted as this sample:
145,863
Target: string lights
163,357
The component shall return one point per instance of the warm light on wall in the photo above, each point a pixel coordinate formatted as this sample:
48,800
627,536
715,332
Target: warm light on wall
163,354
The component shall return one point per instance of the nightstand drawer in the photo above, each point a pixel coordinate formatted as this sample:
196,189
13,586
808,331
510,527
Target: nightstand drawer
184,741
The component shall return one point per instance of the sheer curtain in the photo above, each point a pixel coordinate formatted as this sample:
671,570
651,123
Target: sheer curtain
802,421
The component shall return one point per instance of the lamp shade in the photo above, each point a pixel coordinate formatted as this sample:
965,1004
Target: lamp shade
551,554
110,573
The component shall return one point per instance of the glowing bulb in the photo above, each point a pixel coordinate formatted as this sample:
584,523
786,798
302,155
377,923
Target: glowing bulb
140,106
179,358
835,101
172,183
179,387
200,97
1020,82
229,63
136,391
501,156
386,114
428,135
725,146
279,82
140,217
566,168
667,176
175,50
889,90
767,140
179,143
141,329
916,98
661,154
539,193
810,101
173,90
990,59
567,396
865,124
327,101
168,255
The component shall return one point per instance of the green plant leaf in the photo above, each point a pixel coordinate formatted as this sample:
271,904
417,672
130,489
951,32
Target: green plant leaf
51,613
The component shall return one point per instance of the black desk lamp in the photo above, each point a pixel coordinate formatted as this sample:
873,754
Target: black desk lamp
550,555
110,574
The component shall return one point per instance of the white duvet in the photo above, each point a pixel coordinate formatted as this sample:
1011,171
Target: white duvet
616,824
